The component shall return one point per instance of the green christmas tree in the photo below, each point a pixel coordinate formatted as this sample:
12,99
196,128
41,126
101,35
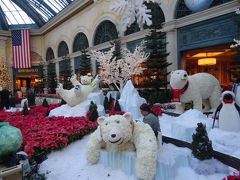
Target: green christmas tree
93,113
65,73
201,145
25,110
156,65
51,78
106,104
45,103
117,106
117,51
86,66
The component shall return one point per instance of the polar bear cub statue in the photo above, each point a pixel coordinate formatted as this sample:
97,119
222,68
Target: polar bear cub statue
201,89
78,93
85,80
120,133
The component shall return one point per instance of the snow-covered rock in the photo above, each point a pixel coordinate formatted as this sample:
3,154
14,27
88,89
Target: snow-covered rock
130,101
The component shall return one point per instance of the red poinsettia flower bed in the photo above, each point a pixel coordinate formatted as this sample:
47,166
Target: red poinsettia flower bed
42,133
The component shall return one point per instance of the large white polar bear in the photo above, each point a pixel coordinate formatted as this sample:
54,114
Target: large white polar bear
201,89
78,93
119,133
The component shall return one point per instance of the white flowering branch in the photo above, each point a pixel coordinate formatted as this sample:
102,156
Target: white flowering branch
120,71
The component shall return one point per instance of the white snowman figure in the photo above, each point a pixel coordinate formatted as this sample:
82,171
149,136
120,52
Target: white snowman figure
229,113
236,90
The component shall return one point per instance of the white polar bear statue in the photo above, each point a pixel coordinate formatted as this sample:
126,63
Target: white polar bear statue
120,133
201,89
85,80
77,94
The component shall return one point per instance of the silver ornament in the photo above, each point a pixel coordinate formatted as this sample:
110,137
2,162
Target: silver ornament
198,5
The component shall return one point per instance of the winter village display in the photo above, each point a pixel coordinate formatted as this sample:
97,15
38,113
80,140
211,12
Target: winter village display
102,135
201,89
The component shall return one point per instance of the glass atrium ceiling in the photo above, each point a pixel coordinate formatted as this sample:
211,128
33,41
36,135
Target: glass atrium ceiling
29,13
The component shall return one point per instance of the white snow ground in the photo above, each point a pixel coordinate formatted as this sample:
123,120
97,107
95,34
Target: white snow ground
70,163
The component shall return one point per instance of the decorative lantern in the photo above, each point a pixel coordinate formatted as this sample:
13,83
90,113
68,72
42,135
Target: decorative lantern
198,5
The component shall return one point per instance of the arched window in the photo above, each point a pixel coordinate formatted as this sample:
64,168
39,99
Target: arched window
80,42
106,31
50,54
63,49
157,19
182,10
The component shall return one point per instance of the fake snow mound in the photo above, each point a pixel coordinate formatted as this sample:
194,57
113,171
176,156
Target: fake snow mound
130,101
82,108
184,126
71,164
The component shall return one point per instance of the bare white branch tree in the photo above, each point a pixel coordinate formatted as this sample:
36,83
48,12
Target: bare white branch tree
120,71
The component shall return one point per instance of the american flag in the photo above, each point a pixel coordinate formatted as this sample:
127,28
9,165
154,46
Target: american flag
21,48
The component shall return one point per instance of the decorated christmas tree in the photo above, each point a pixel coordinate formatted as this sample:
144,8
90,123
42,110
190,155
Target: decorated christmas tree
4,74
85,67
201,145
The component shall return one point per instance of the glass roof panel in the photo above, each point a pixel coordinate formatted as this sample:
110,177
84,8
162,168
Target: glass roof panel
14,14
46,9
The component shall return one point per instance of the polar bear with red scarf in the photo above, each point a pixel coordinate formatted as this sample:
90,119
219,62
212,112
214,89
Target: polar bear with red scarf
201,89
119,133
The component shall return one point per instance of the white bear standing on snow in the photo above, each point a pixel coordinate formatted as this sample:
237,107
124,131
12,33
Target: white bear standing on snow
200,88
119,133
77,94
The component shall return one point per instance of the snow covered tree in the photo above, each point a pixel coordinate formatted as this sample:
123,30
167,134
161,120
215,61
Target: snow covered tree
4,75
120,71
85,63
201,145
